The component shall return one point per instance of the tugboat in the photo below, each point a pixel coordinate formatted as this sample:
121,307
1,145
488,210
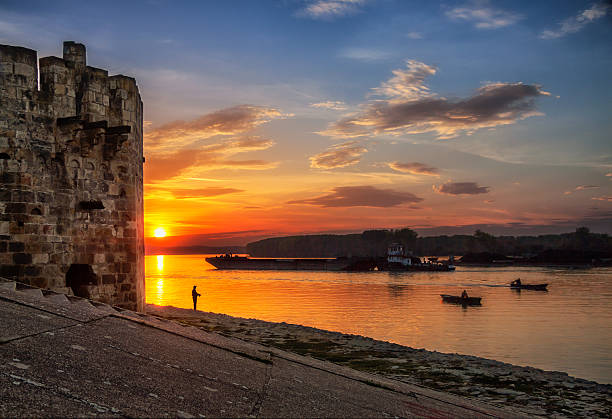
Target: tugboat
399,260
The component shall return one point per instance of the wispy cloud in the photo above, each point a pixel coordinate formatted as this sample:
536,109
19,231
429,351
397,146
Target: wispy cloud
341,155
576,23
461,188
602,198
202,193
336,105
407,84
581,188
330,9
409,107
361,196
414,35
365,54
483,15
225,122
414,168
584,187
164,165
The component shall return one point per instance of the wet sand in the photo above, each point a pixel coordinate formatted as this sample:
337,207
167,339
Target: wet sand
533,391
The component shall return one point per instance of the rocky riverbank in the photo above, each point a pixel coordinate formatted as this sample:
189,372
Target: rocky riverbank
531,390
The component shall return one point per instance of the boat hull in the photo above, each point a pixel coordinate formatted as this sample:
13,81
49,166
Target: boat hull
533,287
320,264
454,299
397,267
245,263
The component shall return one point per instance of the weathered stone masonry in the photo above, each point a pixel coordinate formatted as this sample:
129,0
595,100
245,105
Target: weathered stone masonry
71,197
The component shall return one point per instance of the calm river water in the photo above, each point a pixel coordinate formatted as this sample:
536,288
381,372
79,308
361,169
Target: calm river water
568,328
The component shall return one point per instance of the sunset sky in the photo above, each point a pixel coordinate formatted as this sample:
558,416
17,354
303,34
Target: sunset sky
267,118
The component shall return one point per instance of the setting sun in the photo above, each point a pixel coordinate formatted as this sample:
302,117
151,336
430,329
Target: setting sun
159,232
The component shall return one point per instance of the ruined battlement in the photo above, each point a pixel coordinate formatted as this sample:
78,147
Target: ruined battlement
71,197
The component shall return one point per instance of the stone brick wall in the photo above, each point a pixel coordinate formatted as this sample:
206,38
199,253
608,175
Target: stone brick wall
71,193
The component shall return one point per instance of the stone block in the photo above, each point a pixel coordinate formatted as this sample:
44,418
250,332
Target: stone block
32,228
40,258
6,68
113,189
23,196
32,270
43,197
22,258
108,279
11,271
16,246
40,282
22,69
15,208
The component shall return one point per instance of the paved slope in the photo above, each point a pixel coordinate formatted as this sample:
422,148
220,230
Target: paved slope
63,355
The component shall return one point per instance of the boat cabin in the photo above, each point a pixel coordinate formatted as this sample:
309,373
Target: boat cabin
396,254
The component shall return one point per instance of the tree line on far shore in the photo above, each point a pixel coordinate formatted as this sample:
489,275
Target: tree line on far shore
576,247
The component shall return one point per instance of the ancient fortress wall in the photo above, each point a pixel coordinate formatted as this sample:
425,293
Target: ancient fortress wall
71,197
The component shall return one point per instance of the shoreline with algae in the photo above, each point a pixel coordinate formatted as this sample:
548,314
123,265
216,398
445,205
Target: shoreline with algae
531,390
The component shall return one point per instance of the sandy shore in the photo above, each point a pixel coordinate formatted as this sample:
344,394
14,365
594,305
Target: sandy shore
531,390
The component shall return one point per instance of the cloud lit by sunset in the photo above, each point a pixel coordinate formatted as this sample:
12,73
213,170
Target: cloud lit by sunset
321,116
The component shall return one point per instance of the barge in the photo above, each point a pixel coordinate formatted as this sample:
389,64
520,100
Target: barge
235,262
396,260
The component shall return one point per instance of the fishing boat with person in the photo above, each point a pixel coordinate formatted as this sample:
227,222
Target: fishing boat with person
518,285
464,299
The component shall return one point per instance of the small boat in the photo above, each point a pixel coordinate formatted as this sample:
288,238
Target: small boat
534,287
466,301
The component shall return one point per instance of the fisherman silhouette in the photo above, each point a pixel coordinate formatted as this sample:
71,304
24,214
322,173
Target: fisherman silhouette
195,296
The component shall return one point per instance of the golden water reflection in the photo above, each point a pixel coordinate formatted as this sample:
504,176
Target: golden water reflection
566,329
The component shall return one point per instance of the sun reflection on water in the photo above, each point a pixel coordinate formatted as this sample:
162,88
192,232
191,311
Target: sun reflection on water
160,263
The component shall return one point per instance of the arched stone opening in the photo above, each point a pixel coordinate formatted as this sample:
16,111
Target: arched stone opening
78,277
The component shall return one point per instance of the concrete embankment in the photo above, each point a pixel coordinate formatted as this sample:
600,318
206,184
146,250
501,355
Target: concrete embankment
529,390
63,356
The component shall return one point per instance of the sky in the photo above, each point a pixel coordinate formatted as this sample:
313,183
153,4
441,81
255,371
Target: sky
269,118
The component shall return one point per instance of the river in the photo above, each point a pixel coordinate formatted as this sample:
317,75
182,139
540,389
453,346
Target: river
568,328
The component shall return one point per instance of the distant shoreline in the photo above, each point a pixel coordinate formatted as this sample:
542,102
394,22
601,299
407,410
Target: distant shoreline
531,390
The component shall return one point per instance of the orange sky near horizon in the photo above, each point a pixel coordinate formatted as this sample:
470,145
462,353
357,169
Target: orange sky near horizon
233,174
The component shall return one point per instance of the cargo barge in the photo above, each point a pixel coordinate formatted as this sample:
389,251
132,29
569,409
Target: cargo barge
229,261
396,260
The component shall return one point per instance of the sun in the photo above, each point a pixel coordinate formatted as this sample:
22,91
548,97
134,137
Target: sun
159,232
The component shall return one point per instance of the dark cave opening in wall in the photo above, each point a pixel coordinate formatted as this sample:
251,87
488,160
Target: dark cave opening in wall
78,275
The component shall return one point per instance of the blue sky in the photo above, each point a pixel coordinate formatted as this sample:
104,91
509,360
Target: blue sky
508,103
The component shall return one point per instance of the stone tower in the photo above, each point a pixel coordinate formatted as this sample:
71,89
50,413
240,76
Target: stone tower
71,194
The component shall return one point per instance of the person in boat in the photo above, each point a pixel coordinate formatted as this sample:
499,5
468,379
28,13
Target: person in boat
516,283
195,295
464,295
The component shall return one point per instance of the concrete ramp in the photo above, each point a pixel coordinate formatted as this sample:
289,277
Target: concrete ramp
71,357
